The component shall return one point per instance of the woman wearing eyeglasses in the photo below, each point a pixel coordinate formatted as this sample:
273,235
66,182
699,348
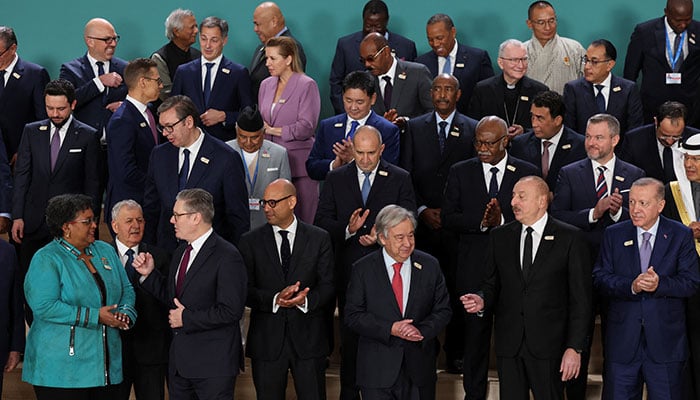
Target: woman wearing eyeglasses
81,298
290,103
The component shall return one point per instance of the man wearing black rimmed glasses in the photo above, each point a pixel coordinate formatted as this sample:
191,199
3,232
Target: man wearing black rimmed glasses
132,134
477,199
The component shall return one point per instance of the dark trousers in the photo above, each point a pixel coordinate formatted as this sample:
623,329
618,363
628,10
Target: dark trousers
693,328
110,392
477,345
216,388
522,373
402,389
148,381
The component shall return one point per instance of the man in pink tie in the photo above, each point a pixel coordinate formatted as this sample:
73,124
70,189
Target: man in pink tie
398,303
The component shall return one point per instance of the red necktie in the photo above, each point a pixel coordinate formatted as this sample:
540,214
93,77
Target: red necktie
182,271
397,285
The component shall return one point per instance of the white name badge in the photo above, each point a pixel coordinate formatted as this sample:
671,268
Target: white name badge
254,204
673,78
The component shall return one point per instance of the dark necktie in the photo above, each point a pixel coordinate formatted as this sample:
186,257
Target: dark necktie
527,252
645,252
388,88
677,46
353,127
100,72
601,186
182,271
545,158
55,148
184,171
2,81
669,173
442,135
493,185
366,186
397,285
207,84
129,266
285,252
600,99
152,125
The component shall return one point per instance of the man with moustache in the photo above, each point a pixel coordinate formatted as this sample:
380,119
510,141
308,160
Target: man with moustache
538,285
477,199
181,31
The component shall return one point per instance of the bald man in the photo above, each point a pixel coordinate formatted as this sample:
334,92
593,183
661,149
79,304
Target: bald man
268,22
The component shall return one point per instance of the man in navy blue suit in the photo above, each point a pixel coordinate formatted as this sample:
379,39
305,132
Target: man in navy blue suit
11,313
647,267
375,17
132,134
218,86
599,91
333,146
192,159
21,92
468,64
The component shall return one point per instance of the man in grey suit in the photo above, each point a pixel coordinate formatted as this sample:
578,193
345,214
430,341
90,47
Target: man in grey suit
263,160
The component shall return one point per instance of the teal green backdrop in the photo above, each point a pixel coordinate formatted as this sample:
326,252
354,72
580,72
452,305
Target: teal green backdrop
50,33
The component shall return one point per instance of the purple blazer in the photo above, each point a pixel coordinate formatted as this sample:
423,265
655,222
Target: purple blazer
296,112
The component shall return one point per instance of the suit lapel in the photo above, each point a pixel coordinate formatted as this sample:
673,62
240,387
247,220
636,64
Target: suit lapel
513,255
199,260
586,180
457,128
257,58
284,97
398,83
299,248
660,35
68,142
222,74
384,282
352,179
378,106
414,292
544,248
663,238
270,246
200,167
199,84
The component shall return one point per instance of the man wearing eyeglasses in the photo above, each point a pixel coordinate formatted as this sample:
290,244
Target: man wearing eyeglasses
132,134
192,158
554,60
477,199
599,91
290,287
655,147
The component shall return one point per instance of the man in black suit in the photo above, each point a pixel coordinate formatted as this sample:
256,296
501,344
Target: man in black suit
398,327
550,145
655,147
666,51
539,287
477,198
468,64
56,156
351,198
268,22
599,91
375,18
206,291
145,346
12,336
290,286
508,95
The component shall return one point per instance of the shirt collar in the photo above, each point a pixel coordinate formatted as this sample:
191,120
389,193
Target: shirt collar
392,71
93,62
654,228
11,67
122,248
610,165
139,106
292,228
199,242
538,226
216,61
362,121
501,165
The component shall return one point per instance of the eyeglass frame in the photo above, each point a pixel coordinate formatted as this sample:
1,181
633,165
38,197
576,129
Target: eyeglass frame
479,143
374,57
86,221
108,39
543,22
158,80
585,60
516,61
273,202
178,215
169,128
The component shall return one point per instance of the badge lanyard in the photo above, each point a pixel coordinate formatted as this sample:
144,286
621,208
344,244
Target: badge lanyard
247,175
673,58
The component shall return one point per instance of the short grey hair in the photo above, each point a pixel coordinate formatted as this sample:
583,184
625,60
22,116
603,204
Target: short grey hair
390,216
510,42
128,203
199,201
657,184
174,21
611,121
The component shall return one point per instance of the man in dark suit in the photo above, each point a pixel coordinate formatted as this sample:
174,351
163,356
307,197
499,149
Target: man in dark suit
181,31
404,86
535,262
290,286
647,267
599,91
268,22
6,187
206,291
398,304
666,51
477,199
56,156
21,92
131,134
468,64
218,86
508,95
145,346
550,145
655,147
333,145
192,159
375,18
351,198
12,331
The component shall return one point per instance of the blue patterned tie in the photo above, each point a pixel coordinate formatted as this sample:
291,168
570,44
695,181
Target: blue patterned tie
353,127
442,135
366,186
493,186
600,99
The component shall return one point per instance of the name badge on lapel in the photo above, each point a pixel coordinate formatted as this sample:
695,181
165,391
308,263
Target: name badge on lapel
204,160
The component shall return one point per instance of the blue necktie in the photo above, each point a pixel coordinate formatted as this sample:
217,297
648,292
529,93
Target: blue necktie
493,186
366,186
645,252
207,84
101,71
184,171
600,99
353,127
447,68
129,266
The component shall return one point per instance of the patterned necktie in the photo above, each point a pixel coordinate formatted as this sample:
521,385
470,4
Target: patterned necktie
600,99
601,186
285,252
353,127
545,158
527,252
493,185
388,89
129,266
442,135
645,252
182,271
184,171
55,148
447,68
366,186
397,285
207,83
669,173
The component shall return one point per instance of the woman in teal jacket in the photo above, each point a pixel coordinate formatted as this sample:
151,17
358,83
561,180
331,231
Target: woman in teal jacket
81,297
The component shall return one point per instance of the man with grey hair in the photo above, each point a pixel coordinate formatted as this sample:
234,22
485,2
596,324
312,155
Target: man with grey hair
181,31
398,328
206,289
218,86
145,346
508,95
